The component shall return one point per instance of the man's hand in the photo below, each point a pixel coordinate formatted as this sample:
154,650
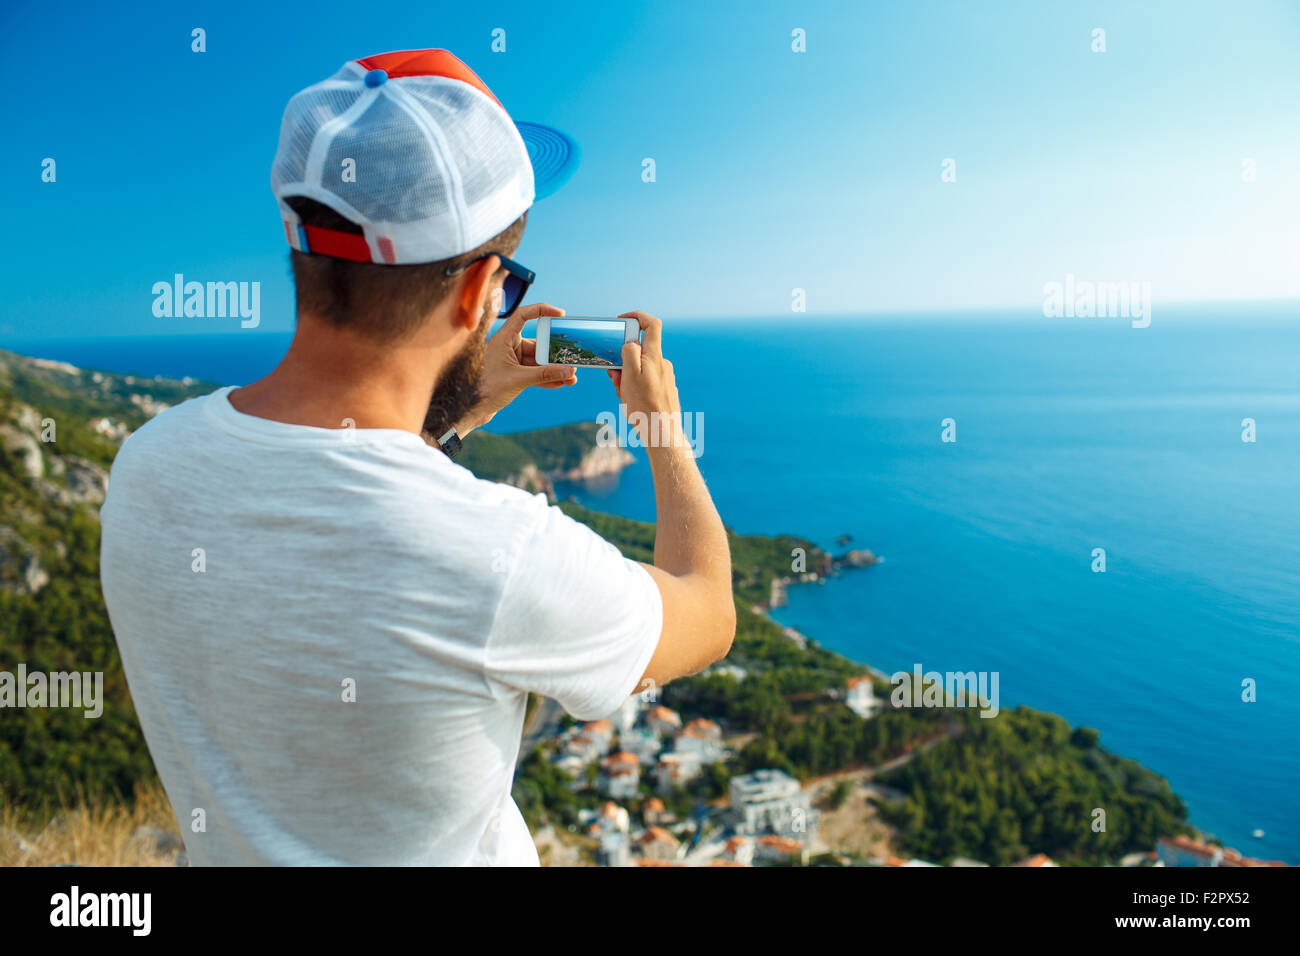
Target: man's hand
510,366
647,385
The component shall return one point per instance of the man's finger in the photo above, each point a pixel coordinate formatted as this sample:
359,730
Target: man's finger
632,356
651,331
536,310
550,374
528,351
514,326
511,328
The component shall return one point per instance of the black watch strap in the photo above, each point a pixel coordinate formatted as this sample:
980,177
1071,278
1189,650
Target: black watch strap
450,442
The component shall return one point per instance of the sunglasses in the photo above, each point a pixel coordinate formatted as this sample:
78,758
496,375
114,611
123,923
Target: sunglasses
516,283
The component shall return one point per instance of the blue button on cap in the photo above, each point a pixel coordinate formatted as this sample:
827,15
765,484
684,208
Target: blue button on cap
376,78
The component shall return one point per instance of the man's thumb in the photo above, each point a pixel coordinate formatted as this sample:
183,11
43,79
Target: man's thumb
552,373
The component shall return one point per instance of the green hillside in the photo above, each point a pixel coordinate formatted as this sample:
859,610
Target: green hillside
1026,783
47,754
559,448
493,456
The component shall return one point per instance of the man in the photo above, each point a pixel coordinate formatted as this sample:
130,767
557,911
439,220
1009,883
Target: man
329,628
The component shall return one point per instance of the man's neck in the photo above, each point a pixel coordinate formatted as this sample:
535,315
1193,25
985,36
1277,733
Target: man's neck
334,378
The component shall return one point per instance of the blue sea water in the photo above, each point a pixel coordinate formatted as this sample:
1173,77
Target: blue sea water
1071,435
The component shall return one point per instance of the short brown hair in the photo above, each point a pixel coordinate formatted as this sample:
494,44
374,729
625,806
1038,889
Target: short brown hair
384,302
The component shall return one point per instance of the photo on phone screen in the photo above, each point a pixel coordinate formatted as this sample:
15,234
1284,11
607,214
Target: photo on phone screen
592,342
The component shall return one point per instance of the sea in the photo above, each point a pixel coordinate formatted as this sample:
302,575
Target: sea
1108,517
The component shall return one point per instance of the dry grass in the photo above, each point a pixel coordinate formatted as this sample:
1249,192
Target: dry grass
855,827
97,832
559,847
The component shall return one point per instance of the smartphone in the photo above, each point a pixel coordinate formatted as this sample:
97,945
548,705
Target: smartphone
582,342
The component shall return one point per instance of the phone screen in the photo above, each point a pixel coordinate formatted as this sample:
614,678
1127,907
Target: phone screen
596,342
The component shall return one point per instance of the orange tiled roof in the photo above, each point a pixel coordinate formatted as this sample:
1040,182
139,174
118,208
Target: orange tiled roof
860,679
1233,858
654,805
1038,859
660,712
657,835
1189,845
781,844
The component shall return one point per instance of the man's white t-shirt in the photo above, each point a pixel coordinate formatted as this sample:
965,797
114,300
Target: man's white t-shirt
328,635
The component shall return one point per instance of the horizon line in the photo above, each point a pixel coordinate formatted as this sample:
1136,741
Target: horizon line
929,311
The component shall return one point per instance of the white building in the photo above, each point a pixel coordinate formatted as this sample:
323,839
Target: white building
663,721
620,776
600,733
612,815
583,747
574,766
676,769
770,802
703,738
861,697
610,828
739,850
645,744
1184,851
658,844
613,848
653,813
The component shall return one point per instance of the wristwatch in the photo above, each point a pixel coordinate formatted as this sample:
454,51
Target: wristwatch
450,442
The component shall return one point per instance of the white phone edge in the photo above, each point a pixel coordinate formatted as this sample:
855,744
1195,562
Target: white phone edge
631,333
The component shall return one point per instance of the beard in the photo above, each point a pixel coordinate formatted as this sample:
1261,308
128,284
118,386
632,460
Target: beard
457,388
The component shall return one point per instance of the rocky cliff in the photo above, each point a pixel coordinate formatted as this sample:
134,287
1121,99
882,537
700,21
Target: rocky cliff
535,460
60,427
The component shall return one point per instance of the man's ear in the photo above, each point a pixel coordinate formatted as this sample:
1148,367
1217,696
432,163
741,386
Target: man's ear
476,292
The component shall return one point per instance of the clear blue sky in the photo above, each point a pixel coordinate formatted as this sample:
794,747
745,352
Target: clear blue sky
775,170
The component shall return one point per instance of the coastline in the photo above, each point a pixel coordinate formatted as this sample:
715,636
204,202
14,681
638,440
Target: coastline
831,568
1203,836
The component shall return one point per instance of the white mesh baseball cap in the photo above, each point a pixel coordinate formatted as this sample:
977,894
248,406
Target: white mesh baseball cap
413,147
